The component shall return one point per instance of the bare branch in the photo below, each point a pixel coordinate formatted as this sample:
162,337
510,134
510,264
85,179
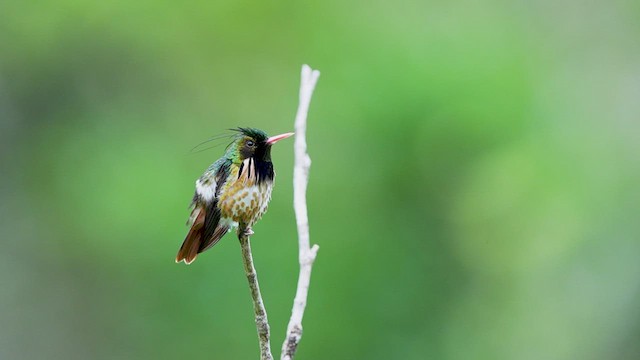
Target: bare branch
258,306
307,254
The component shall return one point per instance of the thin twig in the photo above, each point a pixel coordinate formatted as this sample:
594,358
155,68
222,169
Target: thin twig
258,306
307,254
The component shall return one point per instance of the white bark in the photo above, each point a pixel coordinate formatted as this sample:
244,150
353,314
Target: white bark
307,254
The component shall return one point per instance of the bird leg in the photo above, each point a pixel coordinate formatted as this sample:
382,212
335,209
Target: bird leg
244,230
247,231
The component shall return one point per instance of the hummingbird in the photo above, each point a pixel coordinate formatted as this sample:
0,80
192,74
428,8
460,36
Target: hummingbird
233,192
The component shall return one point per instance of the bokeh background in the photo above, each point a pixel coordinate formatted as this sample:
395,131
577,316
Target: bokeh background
474,188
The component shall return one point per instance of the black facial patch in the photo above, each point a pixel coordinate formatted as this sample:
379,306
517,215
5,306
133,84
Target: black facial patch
264,171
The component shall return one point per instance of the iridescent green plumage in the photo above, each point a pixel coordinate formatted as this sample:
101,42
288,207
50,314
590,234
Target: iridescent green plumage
234,191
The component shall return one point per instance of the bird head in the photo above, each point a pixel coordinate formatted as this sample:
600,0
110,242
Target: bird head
253,143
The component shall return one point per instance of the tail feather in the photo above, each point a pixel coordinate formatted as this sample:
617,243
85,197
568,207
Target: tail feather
206,230
189,249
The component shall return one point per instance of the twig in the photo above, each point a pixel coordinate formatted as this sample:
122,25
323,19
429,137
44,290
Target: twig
258,306
307,254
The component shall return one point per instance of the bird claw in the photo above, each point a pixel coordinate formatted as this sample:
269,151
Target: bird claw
247,232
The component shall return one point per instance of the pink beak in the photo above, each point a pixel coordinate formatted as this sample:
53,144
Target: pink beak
274,139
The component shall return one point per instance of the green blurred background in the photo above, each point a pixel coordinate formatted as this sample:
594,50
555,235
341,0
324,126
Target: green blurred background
474,187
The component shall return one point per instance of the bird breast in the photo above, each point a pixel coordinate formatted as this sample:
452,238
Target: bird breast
243,198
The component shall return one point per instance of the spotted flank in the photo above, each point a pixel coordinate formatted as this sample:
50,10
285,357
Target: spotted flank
246,199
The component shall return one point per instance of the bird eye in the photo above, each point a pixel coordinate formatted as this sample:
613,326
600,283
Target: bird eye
250,143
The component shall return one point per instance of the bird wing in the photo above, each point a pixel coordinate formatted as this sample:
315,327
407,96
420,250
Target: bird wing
214,229
206,228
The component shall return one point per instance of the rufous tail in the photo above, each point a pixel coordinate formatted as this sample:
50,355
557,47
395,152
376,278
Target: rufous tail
191,245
